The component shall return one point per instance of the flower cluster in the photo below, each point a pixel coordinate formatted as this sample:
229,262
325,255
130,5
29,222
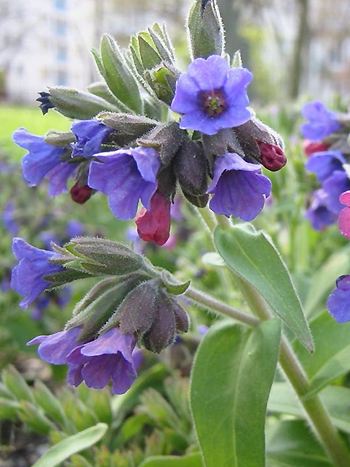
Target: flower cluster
327,150
135,160
99,343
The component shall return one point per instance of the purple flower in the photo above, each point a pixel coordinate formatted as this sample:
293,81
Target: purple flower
9,220
323,164
239,188
74,229
321,121
318,213
43,160
90,134
212,96
55,348
28,277
108,358
334,186
126,176
338,303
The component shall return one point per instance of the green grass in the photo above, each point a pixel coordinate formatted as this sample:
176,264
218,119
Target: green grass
31,118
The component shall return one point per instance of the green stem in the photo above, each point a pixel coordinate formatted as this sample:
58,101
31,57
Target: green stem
216,305
292,368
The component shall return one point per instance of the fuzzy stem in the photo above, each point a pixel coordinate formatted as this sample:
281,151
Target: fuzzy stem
293,370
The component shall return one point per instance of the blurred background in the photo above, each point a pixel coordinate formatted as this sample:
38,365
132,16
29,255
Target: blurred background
293,47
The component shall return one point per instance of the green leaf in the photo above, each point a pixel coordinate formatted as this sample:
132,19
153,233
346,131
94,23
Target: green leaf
213,259
118,76
291,444
336,399
252,256
191,460
229,401
331,359
8,409
16,384
49,403
69,446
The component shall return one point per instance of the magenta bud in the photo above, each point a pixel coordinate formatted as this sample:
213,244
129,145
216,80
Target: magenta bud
310,147
271,156
80,193
153,225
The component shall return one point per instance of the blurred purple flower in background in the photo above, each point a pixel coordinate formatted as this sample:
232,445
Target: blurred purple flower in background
339,300
212,96
9,218
318,213
321,121
323,164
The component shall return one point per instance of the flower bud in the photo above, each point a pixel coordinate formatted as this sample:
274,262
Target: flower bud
271,156
311,146
80,193
191,169
45,102
153,225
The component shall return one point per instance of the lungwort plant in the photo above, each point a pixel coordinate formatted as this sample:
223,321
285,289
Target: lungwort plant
147,132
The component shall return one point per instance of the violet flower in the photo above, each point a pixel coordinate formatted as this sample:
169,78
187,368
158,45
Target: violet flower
55,348
338,303
9,219
238,187
212,96
323,164
321,121
28,277
108,358
318,213
334,186
90,134
43,160
126,176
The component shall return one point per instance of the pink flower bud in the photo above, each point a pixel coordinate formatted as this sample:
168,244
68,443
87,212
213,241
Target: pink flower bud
271,156
344,215
153,225
80,193
311,146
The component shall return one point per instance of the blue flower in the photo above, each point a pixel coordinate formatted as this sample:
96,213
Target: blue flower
239,188
324,163
338,303
126,176
318,213
334,186
212,96
107,358
90,134
74,229
321,121
28,277
9,219
55,348
43,161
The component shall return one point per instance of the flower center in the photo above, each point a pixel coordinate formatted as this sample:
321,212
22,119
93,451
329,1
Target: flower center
214,102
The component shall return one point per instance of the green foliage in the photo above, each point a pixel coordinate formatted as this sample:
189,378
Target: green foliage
228,410
252,256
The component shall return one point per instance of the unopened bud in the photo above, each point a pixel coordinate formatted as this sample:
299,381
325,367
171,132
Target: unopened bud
191,168
271,156
310,147
80,194
153,225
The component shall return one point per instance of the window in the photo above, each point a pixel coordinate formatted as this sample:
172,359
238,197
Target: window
62,78
61,54
60,4
61,27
